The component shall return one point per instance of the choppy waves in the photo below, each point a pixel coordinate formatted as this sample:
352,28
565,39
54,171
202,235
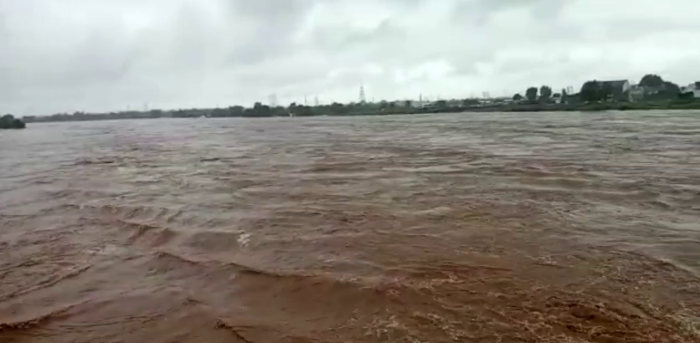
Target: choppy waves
469,228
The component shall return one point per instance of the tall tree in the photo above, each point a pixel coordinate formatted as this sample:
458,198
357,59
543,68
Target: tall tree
651,80
591,91
672,89
545,93
531,93
258,110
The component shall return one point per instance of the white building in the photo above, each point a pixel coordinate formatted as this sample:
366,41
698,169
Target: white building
557,98
637,93
692,88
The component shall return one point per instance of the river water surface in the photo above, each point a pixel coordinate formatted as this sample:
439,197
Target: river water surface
445,228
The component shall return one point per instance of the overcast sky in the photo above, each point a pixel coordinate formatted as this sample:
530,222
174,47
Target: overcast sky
103,55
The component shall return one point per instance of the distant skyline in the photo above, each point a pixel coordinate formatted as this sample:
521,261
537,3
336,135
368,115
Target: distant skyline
106,55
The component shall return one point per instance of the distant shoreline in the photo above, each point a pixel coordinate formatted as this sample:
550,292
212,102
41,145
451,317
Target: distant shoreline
212,113
596,107
8,122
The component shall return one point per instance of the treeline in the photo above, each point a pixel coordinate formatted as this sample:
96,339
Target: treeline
542,95
651,88
10,122
260,110
677,104
652,92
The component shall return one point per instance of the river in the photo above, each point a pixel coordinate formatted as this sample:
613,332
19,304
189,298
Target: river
544,227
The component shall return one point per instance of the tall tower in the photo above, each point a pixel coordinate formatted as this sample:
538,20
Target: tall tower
363,98
273,100
316,102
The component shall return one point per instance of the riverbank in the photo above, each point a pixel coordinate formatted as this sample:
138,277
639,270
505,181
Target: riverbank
617,106
8,122
368,110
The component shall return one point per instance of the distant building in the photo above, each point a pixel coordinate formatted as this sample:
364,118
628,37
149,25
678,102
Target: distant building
636,93
619,88
692,88
652,90
422,104
455,103
557,98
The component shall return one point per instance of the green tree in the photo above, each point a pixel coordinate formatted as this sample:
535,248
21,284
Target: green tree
545,93
658,89
441,104
338,109
470,102
531,93
672,89
258,110
651,80
591,91
301,110
667,91
219,113
517,97
236,111
10,122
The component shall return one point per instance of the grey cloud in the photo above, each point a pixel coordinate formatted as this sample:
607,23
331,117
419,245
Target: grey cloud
272,11
265,28
480,11
104,55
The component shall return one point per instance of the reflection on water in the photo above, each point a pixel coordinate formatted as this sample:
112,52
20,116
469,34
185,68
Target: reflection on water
443,228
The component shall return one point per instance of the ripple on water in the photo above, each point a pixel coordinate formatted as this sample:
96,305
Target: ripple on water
575,227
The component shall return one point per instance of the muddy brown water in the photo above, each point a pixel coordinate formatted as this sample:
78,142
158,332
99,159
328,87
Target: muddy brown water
446,228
